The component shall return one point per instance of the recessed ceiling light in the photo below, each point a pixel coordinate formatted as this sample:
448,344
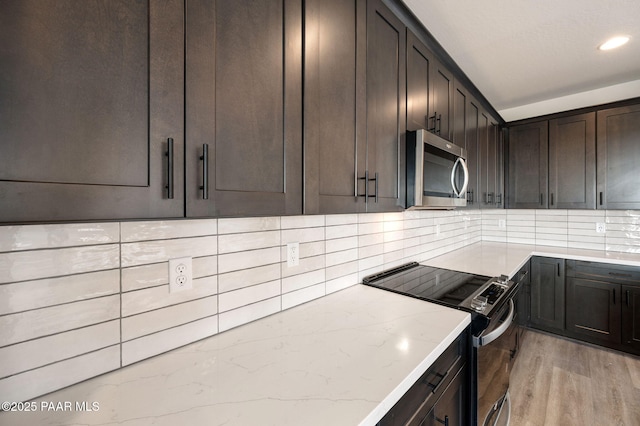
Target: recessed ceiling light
613,42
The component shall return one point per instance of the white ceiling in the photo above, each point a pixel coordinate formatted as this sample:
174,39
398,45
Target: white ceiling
535,57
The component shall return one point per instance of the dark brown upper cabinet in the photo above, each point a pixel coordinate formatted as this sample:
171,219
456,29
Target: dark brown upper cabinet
243,108
384,181
441,107
465,134
572,162
419,64
618,151
490,191
334,105
91,96
528,149
430,91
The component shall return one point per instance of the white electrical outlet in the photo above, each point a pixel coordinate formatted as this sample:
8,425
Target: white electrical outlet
502,223
600,228
180,274
293,254
437,229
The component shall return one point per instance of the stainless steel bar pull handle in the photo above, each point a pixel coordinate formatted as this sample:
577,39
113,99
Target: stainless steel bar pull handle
366,187
205,171
376,189
445,422
169,155
439,123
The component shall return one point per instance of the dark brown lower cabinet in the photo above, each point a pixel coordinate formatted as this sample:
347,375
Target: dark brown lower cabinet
593,310
547,294
596,303
450,408
631,318
441,395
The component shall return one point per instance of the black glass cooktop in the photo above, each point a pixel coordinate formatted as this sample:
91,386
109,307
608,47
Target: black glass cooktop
447,287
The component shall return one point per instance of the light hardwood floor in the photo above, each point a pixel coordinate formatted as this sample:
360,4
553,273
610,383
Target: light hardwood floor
561,382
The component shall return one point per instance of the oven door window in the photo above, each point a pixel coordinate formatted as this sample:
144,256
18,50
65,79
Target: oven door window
437,169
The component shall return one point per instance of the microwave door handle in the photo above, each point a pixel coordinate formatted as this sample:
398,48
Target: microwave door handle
466,175
459,161
453,177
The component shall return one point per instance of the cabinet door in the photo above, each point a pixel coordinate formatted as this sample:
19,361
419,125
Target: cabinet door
547,293
528,165
386,95
472,146
442,99
243,100
91,93
453,406
488,157
334,105
631,318
496,137
618,158
419,61
523,300
593,310
572,162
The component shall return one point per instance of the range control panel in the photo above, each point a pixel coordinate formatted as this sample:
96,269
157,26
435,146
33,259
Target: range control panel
490,294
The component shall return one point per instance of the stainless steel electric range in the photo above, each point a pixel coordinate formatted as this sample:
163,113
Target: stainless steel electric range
490,301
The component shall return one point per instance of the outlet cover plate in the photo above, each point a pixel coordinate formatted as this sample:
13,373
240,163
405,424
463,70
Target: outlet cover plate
293,254
180,274
601,228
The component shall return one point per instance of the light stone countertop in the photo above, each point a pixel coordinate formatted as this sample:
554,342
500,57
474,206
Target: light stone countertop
344,359
493,259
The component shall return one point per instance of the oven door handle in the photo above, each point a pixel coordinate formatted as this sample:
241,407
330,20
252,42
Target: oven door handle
485,340
460,162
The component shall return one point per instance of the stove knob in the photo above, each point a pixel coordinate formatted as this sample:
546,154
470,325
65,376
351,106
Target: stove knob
479,303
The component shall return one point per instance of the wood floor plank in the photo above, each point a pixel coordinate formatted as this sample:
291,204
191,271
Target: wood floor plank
557,381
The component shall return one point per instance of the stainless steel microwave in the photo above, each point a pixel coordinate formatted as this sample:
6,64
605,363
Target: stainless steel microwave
437,173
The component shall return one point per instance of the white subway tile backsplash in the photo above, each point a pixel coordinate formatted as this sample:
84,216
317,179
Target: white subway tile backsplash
248,224
248,295
290,222
341,283
249,259
142,253
302,235
33,265
341,231
165,230
166,340
304,295
161,319
22,326
36,353
240,316
139,277
24,386
339,257
28,295
248,277
234,243
297,282
341,270
306,264
341,219
32,237
341,244
135,302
